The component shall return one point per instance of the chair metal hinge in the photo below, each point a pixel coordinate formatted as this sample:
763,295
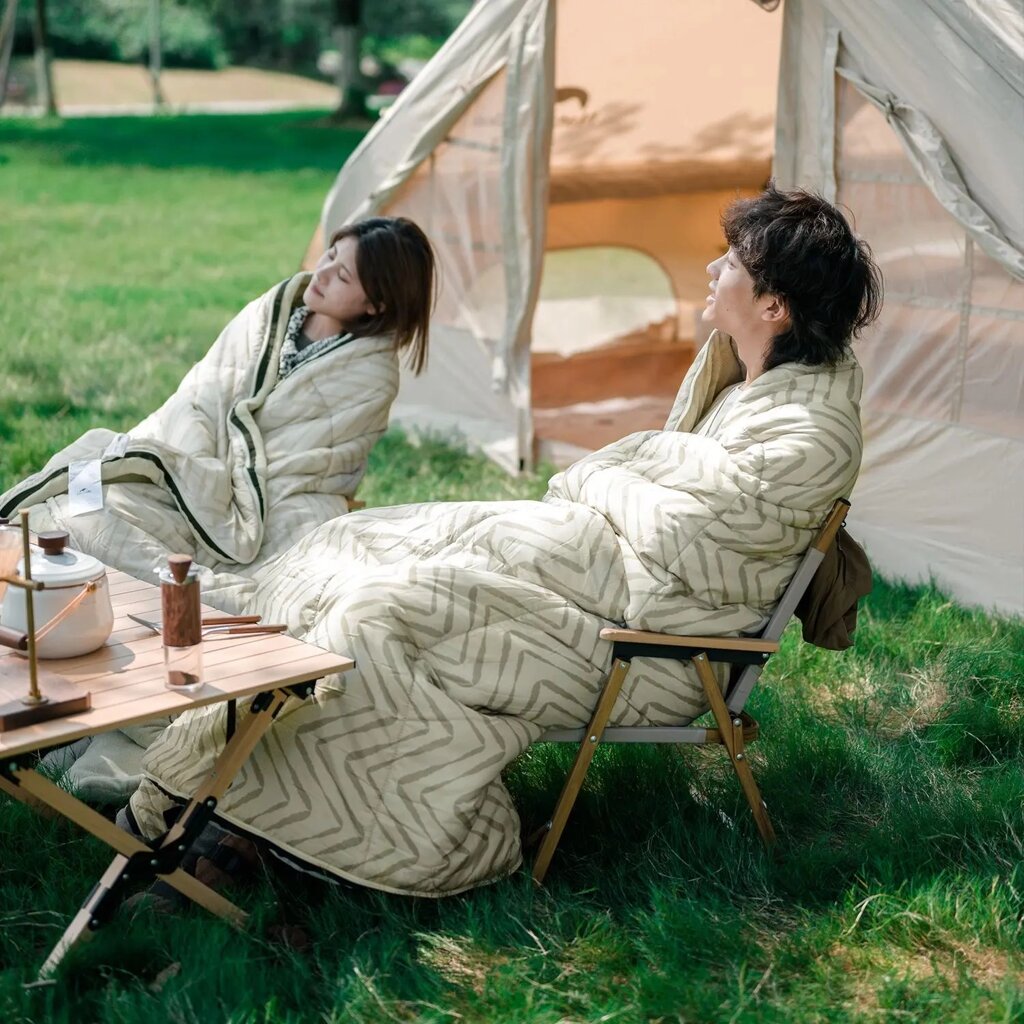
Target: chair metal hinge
261,702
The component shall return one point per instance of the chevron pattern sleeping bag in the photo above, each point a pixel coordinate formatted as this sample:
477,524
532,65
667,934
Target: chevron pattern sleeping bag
474,626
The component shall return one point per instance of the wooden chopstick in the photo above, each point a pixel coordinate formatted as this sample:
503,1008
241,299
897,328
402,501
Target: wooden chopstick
247,629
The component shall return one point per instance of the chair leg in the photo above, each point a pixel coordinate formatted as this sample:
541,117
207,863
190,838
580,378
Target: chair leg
731,730
602,712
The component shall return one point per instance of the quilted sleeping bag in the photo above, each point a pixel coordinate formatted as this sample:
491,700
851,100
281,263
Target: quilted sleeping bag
475,627
236,464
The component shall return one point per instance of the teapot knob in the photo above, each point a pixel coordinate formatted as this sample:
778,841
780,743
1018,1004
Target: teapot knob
53,542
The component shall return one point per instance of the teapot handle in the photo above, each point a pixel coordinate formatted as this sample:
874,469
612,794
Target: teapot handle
12,638
87,588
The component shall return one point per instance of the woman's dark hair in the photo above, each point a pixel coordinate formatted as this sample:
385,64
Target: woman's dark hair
395,264
799,247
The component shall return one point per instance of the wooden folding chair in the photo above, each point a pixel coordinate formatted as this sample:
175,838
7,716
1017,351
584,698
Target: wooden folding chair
735,728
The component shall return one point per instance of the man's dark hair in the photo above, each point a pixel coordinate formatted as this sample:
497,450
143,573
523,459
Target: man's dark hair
799,247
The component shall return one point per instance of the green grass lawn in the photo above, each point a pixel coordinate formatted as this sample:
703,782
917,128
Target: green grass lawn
894,771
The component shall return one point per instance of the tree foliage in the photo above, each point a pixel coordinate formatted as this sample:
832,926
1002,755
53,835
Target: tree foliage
285,34
119,30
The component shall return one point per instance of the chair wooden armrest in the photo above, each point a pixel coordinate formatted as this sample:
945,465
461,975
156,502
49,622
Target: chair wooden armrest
711,643
354,504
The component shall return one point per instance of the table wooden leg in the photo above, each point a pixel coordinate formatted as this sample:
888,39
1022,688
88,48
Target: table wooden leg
235,753
35,789
84,922
135,860
15,791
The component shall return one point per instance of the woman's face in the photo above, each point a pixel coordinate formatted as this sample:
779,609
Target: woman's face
335,290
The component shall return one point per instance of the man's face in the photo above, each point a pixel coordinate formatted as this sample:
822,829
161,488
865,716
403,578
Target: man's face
335,289
730,305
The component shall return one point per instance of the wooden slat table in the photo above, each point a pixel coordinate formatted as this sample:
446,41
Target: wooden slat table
126,681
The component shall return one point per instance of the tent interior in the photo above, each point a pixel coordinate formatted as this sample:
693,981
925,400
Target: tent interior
653,134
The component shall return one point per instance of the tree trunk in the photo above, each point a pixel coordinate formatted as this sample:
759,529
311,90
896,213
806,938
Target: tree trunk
7,46
348,38
155,52
44,79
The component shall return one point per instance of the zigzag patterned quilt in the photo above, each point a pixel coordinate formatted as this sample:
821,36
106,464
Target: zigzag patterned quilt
475,627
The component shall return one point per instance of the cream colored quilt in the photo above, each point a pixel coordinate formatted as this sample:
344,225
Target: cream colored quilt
475,625
232,469
237,464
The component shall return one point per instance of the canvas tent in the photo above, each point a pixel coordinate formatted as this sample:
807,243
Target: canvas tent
594,141
912,116
548,125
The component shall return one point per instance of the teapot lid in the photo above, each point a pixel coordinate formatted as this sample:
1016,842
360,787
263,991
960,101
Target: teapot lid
57,565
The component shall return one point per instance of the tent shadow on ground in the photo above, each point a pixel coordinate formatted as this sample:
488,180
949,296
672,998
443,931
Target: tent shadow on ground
259,144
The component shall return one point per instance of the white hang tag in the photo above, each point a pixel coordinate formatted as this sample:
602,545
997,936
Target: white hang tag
117,447
85,493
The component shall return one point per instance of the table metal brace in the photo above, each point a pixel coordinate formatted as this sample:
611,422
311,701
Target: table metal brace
136,862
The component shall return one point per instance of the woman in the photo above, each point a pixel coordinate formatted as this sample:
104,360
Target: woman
475,626
267,436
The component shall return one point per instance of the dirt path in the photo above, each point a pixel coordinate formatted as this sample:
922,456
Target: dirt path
86,87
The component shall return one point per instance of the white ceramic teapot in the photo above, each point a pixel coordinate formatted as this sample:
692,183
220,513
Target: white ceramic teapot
73,614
